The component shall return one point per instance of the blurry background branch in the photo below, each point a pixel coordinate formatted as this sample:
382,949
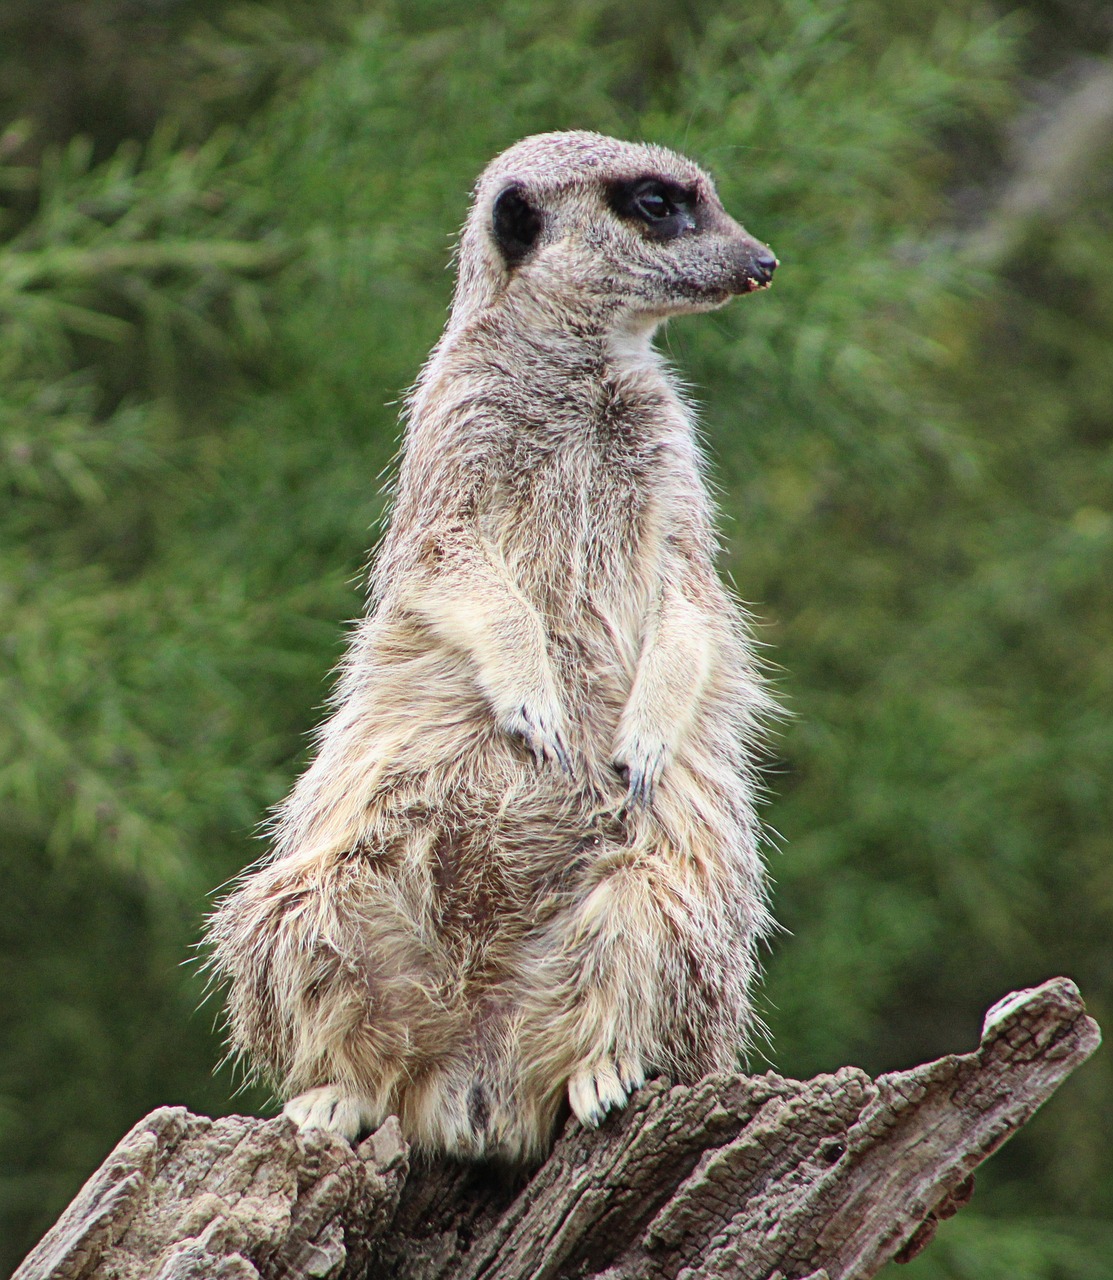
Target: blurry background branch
1061,148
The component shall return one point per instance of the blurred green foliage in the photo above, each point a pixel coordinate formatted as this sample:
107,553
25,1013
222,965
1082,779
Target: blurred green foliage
223,240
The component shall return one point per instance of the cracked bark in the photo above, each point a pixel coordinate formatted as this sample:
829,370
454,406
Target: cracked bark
757,1177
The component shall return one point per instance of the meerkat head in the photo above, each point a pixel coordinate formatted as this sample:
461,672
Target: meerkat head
583,226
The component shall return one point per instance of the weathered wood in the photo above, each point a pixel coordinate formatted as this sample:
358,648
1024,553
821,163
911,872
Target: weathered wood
183,1197
757,1177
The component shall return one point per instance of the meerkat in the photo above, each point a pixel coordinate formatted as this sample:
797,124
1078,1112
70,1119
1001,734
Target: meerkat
524,864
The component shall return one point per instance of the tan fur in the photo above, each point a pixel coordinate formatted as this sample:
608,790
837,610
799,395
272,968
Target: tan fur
469,913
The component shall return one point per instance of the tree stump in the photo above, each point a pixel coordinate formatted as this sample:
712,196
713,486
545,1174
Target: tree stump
757,1177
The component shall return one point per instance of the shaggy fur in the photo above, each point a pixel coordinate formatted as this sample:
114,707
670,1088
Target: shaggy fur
523,864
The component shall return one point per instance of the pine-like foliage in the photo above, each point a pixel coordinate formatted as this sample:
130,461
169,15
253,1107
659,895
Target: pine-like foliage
204,337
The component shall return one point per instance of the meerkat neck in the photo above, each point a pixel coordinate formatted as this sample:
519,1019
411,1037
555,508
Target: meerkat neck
570,338
529,353
630,346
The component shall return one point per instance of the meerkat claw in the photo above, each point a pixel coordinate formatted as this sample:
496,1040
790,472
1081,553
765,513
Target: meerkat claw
595,1090
544,741
641,772
631,1073
327,1107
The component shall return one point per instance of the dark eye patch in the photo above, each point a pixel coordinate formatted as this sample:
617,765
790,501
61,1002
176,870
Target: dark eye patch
663,208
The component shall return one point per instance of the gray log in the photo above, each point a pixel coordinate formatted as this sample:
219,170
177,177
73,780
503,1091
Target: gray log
756,1177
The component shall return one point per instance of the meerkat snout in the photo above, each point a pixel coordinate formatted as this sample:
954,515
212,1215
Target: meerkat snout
756,264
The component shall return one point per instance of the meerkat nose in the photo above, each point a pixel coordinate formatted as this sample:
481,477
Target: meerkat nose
752,263
765,263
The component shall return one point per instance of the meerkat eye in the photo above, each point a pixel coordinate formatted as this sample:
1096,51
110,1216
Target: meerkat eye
663,208
653,202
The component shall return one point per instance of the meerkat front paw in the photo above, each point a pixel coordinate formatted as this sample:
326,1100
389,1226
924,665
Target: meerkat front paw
640,763
329,1107
542,730
604,1086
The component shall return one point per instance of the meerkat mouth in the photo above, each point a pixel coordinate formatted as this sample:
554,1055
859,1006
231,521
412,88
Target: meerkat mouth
758,272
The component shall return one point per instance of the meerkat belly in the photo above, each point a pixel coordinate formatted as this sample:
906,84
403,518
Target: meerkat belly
497,869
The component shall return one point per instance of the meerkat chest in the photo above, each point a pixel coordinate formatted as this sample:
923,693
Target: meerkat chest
576,525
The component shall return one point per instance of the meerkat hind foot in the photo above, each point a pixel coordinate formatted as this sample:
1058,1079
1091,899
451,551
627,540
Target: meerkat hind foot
603,1086
329,1107
631,1073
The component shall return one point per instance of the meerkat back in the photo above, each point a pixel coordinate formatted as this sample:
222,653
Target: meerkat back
522,871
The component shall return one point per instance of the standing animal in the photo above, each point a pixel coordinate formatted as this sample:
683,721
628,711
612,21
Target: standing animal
523,865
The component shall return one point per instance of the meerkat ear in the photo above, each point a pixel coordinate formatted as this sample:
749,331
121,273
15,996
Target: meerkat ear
516,224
